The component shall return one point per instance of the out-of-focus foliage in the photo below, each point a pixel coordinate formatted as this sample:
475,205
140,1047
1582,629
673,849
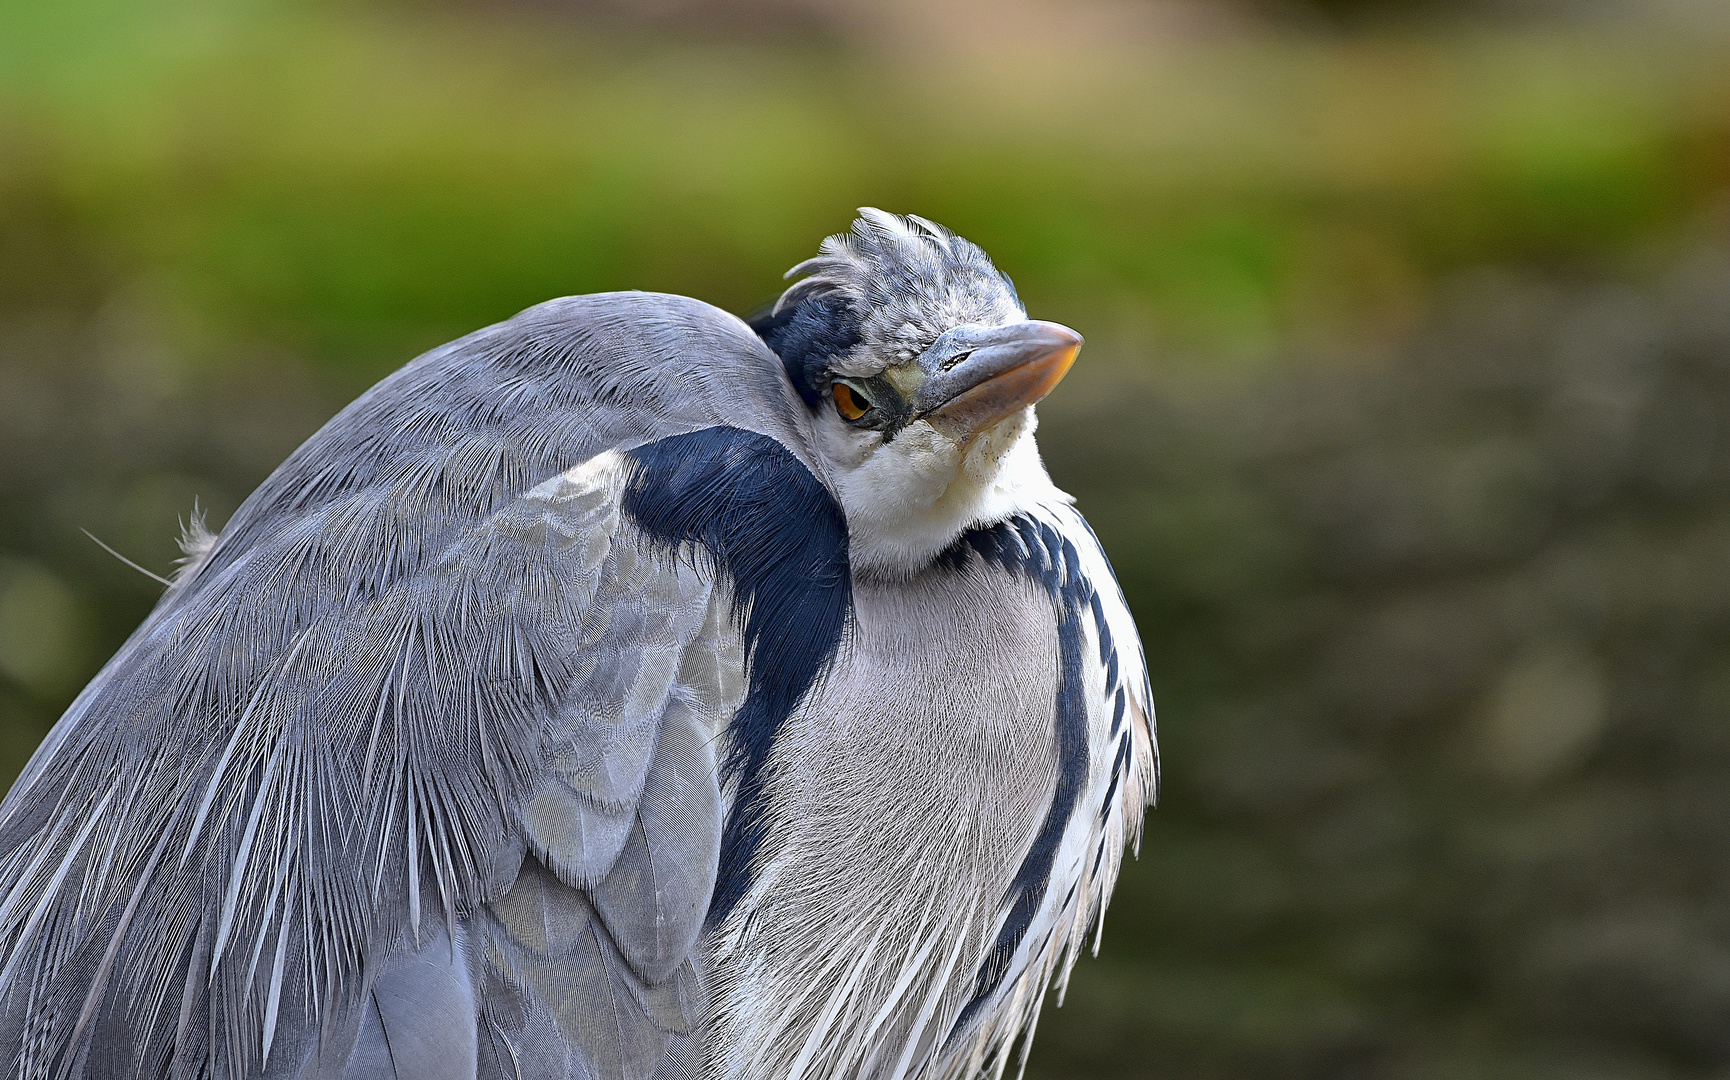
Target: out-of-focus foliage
1443,647
347,183
1405,416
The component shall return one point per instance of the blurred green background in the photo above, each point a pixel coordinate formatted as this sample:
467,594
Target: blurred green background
1405,416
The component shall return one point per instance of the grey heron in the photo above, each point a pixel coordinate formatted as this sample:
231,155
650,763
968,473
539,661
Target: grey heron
620,691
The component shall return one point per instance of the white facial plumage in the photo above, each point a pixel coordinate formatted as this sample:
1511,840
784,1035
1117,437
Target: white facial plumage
909,497
901,306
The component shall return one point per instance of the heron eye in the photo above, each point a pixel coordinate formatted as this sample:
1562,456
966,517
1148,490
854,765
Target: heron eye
849,402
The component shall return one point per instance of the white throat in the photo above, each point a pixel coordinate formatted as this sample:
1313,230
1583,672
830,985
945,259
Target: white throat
908,500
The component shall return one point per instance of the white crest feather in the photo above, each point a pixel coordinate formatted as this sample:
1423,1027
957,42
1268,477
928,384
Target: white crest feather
907,279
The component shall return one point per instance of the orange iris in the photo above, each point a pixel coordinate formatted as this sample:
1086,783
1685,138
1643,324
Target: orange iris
848,402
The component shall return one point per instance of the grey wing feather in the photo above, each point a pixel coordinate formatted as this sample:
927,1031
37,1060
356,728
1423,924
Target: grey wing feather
417,650
425,1004
653,900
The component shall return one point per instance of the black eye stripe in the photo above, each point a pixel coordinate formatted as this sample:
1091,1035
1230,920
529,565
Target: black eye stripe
807,336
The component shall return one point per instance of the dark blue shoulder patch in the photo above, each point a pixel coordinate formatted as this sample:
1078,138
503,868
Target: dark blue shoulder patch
1035,550
779,535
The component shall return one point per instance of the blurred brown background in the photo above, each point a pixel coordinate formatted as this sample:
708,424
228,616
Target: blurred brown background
1405,415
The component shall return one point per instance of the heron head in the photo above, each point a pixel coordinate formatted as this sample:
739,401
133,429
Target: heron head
921,370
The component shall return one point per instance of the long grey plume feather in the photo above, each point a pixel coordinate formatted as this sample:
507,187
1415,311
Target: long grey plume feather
124,559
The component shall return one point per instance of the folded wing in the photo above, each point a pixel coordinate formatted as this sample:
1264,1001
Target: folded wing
414,772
